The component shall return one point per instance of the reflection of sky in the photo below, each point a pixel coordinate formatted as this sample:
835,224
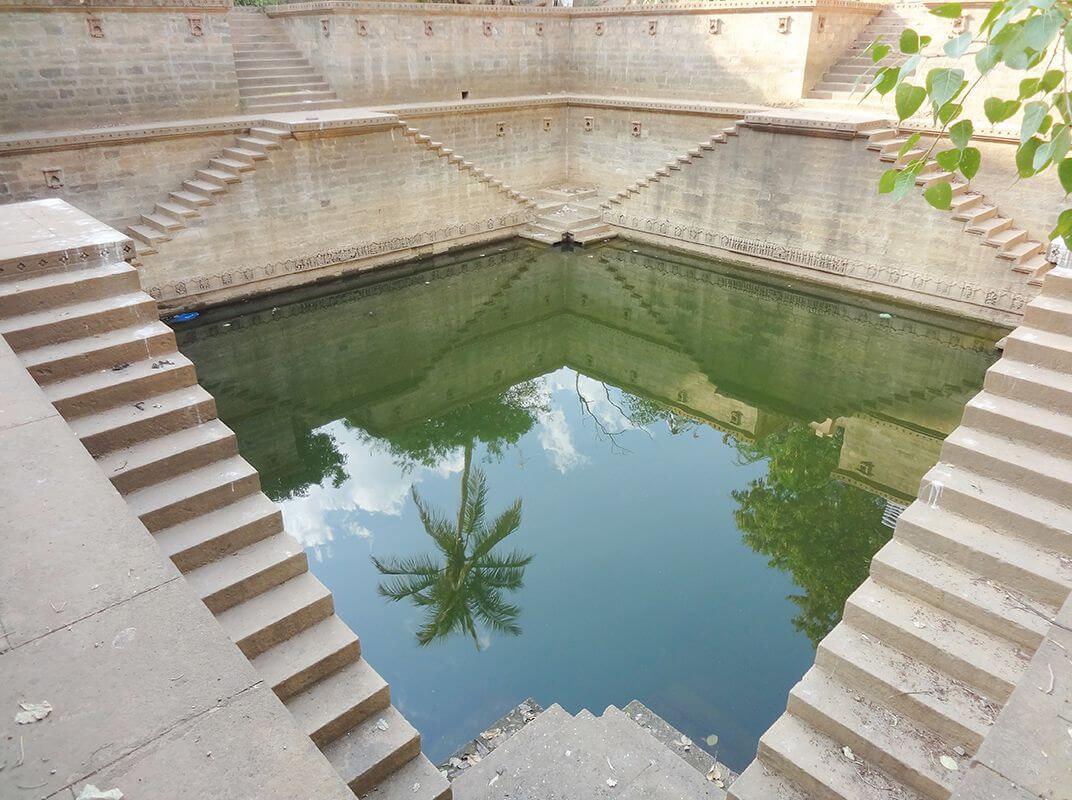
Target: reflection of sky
377,485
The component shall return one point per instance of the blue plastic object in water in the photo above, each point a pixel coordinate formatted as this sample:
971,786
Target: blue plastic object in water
186,316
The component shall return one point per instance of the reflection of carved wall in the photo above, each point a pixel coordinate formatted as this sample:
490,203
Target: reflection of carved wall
887,458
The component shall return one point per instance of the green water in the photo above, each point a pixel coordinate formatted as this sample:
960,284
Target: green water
660,519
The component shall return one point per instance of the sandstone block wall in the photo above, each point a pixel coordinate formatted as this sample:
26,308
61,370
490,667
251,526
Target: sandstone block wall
321,202
530,153
813,201
396,60
146,65
114,183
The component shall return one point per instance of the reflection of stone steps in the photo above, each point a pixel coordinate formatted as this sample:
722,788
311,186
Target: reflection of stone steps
92,339
932,644
571,212
586,757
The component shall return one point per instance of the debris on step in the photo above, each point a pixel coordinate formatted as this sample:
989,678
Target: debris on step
474,751
32,712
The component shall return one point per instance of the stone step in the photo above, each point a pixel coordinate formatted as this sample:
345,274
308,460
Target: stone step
287,70
817,763
248,155
220,533
760,782
299,662
1051,314
163,222
1021,250
1059,284
957,713
204,189
1029,383
1007,238
183,497
296,105
1032,425
217,176
64,323
259,143
231,165
989,605
67,359
25,295
276,95
251,571
121,385
1033,471
417,779
1043,578
873,732
301,78
127,425
155,460
999,506
268,60
276,615
1043,347
374,749
332,706
596,233
991,226
147,234
283,87
1036,267
177,210
967,653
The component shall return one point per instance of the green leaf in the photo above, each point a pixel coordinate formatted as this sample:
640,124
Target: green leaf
908,68
987,58
1034,113
958,46
924,40
970,159
1064,225
948,160
995,11
910,142
939,195
1025,157
948,11
879,52
998,110
961,133
1064,173
1055,149
949,112
1051,80
908,100
1028,87
943,84
1041,29
909,41
885,80
906,180
889,177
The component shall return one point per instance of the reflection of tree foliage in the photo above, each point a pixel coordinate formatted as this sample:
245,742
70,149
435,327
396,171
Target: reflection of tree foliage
318,461
644,412
497,421
464,583
824,532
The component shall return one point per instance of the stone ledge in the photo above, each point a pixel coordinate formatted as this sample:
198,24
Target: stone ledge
836,123
210,6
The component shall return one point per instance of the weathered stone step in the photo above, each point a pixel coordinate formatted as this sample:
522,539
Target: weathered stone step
1059,284
875,733
817,763
260,143
217,176
417,779
256,98
1051,314
223,532
163,222
190,199
244,154
147,234
64,323
989,605
177,210
374,749
26,295
295,105
999,506
269,60
1027,424
231,165
986,662
282,87
249,572
278,614
1017,466
126,425
64,360
156,460
183,497
930,697
1028,383
299,662
760,782
205,189
121,385
338,702
1042,577
264,72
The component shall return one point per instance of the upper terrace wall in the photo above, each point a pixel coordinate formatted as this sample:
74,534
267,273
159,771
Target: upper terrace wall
66,66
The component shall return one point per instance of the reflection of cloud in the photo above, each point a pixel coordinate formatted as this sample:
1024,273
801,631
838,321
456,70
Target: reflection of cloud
374,484
557,440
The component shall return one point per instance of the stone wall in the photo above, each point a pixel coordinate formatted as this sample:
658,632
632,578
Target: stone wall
323,202
812,202
146,65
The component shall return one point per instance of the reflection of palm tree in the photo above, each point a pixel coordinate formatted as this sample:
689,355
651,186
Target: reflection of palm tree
468,585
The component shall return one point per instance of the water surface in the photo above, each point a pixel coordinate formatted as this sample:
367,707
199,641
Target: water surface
685,472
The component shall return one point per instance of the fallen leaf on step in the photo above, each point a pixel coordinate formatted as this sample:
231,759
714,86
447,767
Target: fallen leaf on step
491,734
713,774
32,712
381,724
611,782
416,788
847,751
949,763
91,792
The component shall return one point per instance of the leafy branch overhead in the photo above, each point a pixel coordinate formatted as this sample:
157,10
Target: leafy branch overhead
1030,36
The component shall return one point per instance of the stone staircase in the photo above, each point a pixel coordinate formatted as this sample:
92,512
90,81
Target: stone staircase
851,75
92,340
906,687
204,188
273,75
668,169
422,140
982,217
567,212
586,757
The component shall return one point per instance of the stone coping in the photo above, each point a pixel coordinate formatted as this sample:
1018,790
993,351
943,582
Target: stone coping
661,9
210,6
434,108
838,121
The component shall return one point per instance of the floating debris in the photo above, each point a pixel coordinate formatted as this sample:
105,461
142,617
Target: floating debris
884,315
186,316
711,740
32,712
